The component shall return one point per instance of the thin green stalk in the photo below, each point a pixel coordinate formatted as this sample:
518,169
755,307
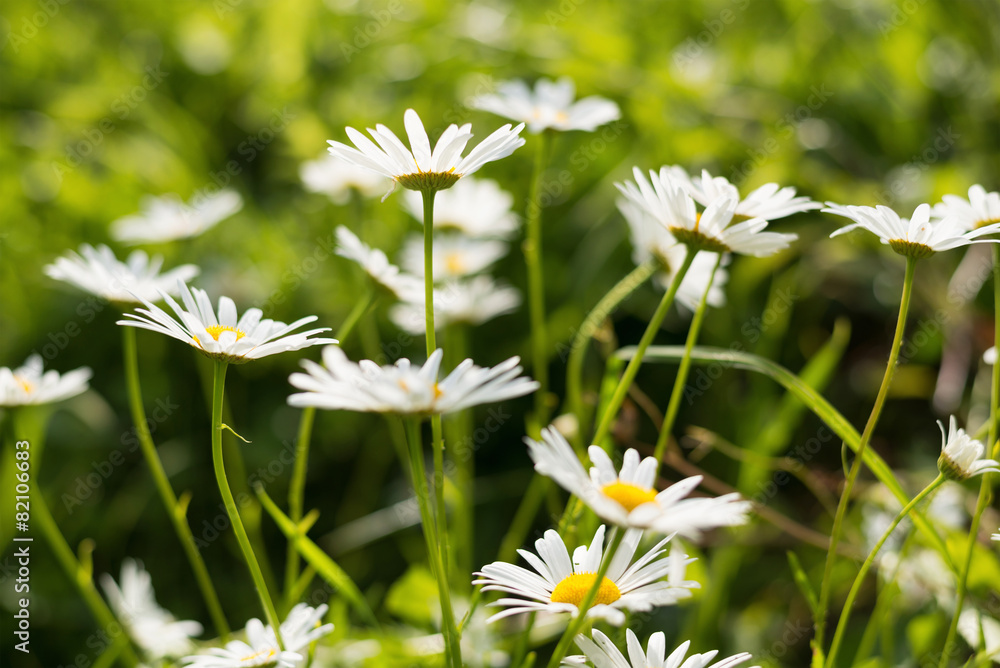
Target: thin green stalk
360,308
218,392
588,600
296,492
986,486
176,512
453,650
437,456
428,197
647,338
459,436
682,371
859,579
532,249
589,327
866,435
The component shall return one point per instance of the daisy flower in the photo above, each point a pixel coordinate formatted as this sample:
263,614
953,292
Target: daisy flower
336,178
29,385
549,106
477,208
220,334
960,454
770,201
652,240
471,302
664,198
917,237
168,218
559,584
260,650
404,388
627,497
154,629
302,627
602,653
980,210
455,256
99,272
420,168
377,266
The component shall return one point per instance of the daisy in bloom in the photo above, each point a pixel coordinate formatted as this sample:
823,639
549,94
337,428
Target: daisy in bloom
477,208
455,256
665,199
377,265
99,272
29,385
980,210
420,168
559,584
471,302
627,497
220,334
336,178
602,653
917,237
154,629
260,650
404,388
770,201
168,218
960,454
549,106
652,240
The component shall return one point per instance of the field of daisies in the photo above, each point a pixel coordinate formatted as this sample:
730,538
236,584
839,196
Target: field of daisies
397,334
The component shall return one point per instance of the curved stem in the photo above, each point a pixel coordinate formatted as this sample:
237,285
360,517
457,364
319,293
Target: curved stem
532,249
647,338
866,435
588,600
176,511
682,371
589,327
218,391
296,492
859,579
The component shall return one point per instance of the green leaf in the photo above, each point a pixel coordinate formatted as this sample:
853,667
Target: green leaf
414,597
803,583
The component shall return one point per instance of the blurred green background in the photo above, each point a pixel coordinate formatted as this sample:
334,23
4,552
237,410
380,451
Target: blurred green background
103,102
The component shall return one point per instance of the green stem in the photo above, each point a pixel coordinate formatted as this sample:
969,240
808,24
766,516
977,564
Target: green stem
986,486
682,371
647,338
845,614
453,651
587,330
176,511
218,392
588,600
360,308
532,249
437,455
462,454
296,492
428,197
866,435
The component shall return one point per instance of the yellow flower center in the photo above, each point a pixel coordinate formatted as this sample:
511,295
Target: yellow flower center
217,330
454,264
262,659
573,588
25,384
561,117
628,495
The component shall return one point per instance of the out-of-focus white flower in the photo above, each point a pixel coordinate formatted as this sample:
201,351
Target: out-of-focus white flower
377,266
30,385
336,178
168,218
455,256
960,454
770,201
472,302
981,632
99,272
550,106
990,356
602,653
980,210
477,208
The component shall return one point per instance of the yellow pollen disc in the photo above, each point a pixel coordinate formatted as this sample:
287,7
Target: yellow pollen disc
25,385
628,495
217,330
454,263
261,658
573,588
562,116
984,223
437,392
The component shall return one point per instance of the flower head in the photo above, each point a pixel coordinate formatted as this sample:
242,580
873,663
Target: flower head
335,177
29,385
603,654
627,497
152,628
168,218
917,237
404,388
980,210
220,334
99,272
960,454
455,256
477,208
549,106
472,302
770,201
377,265
420,168
559,584
665,199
